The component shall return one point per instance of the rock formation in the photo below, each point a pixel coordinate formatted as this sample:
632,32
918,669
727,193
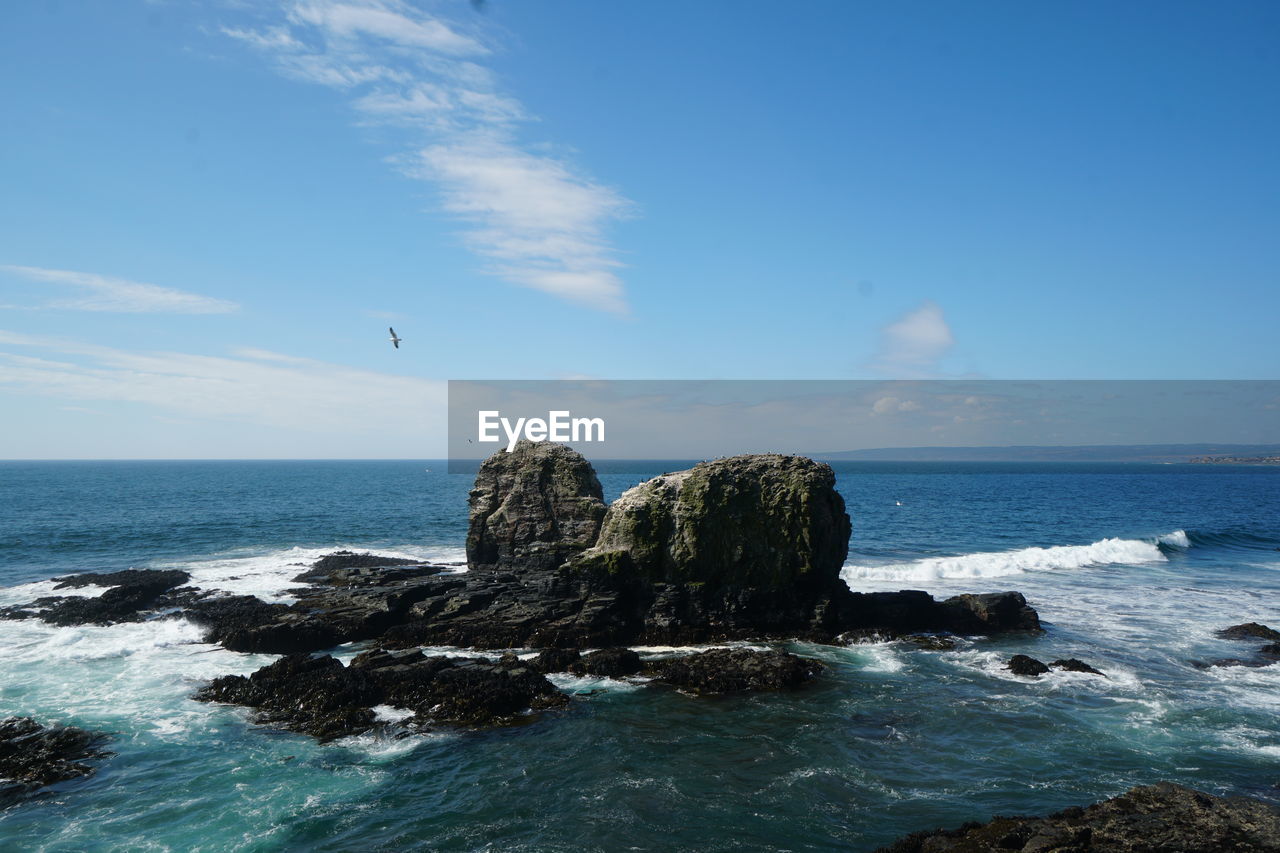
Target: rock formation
1153,819
321,697
767,522
33,756
533,508
748,547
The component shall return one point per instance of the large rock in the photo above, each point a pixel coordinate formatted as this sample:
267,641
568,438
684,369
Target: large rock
765,521
1153,819
533,508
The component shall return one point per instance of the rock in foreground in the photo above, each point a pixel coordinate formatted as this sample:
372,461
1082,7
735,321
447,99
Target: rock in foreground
33,756
1161,818
321,697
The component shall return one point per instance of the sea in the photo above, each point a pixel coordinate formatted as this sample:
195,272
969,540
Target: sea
1132,567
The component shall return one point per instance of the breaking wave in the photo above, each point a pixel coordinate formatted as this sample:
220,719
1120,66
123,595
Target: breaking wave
996,564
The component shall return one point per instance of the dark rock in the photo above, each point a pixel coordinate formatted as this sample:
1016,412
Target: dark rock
1075,665
132,594
931,642
554,660
142,578
991,613
323,569
1249,631
320,697
1159,818
610,663
1028,666
735,671
33,756
533,508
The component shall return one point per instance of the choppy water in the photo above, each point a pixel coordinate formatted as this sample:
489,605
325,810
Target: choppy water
1131,567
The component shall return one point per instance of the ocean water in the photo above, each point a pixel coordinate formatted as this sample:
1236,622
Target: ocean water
1132,568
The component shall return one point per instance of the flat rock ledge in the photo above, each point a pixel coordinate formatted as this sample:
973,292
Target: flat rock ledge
1160,818
320,696
34,756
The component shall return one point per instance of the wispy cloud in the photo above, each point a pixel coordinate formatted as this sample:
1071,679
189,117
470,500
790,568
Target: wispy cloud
913,345
104,293
537,219
253,386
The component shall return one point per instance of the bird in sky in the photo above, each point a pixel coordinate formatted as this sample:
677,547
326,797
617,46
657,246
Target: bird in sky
395,341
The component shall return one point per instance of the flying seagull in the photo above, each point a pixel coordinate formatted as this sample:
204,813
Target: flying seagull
395,341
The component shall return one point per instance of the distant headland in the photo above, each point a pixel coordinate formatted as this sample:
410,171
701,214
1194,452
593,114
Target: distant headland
1239,454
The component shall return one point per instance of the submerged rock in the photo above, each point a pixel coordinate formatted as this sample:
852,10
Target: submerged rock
1026,665
1157,818
1249,631
321,697
930,642
735,671
533,508
1075,665
33,756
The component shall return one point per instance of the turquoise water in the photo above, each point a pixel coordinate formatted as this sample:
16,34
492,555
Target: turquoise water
1132,568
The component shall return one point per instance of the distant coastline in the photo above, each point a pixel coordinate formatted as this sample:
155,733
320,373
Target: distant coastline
1203,453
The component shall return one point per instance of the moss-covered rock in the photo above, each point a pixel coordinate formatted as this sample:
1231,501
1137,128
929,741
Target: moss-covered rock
764,521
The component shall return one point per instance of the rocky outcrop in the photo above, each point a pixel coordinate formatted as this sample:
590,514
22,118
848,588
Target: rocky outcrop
1249,631
735,671
132,594
533,508
611,663
33,756
321,697
767,522
1075,665
1264,655
743,548
1152,819
1032,668
1027,666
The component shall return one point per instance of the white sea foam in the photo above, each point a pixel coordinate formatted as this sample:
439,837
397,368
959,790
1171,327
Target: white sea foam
391,714
1178,539
995,564
269,576
29,592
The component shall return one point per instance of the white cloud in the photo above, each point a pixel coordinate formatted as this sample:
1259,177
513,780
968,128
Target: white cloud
104,293
538,220
891,405
253,387
914,344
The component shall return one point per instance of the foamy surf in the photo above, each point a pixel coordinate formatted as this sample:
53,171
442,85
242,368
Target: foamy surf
270,575
994,564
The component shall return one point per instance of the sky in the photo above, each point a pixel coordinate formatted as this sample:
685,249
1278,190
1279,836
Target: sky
212,211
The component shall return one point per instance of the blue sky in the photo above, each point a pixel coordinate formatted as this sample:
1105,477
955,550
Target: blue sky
212,210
